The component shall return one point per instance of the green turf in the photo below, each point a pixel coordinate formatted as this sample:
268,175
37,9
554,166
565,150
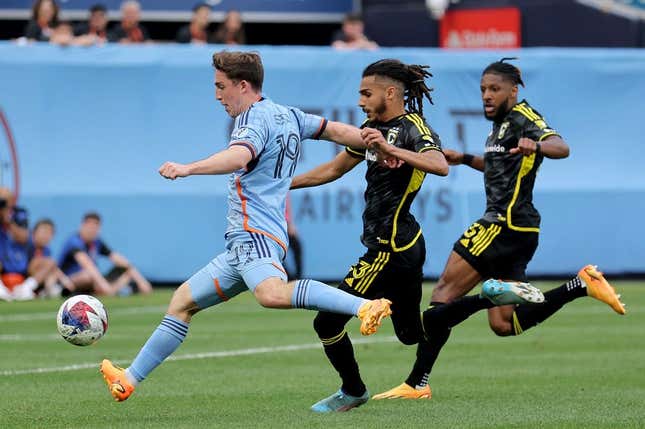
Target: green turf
585,367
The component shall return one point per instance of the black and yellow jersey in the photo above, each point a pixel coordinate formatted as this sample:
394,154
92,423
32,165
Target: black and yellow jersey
508,178
387,221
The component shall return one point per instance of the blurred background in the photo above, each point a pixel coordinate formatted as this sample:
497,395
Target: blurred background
94,97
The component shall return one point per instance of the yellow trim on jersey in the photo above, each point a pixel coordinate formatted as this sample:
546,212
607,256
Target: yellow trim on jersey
415,183
419,122
385,257
527,165
516,325
545,135
354,151
334,339
527,111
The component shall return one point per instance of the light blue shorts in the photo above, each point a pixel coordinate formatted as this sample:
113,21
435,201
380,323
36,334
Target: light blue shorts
242,267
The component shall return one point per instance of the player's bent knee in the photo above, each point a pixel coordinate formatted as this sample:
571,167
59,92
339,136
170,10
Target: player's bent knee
181,304
407,336
327,325
501,328
273,293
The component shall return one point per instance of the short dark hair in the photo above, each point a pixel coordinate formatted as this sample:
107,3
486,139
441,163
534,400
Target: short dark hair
239,66
411,76
44,221
506,70
92,215
98,7
353,17
201,5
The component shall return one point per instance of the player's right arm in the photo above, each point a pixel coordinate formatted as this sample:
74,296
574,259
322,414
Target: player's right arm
456,158
227,161
327,172
344,134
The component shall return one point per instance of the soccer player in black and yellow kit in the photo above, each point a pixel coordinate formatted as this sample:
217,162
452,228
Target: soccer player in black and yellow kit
503,241
391,94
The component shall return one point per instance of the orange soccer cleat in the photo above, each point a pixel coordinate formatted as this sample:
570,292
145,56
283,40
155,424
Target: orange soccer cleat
599,288
118,385
405,391
372,313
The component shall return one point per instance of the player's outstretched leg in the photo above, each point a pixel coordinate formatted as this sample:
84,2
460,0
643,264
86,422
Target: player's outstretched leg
340,401
314,295
599,288
501,292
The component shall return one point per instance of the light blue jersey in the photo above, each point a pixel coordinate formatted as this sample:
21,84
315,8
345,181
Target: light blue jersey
257,194
256,235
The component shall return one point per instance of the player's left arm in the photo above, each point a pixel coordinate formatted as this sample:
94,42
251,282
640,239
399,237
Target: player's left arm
536,136
431,161
227,161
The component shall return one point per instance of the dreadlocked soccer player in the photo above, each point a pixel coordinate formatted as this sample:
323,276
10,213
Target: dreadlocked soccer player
391,94
503,241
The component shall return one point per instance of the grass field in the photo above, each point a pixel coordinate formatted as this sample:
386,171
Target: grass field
242,366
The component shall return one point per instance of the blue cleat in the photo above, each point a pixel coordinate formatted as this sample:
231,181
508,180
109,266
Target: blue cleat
501,292
339,401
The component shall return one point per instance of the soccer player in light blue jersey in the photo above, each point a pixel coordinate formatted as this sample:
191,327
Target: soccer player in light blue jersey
260,159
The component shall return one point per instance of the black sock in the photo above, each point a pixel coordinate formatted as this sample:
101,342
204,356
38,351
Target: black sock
528,315
453,313
341,355
427,354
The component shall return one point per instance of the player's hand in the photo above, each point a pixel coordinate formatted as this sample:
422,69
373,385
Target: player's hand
525,146
173,170
453,157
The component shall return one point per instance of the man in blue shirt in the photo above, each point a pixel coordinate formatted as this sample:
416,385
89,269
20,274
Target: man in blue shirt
260,160
80,254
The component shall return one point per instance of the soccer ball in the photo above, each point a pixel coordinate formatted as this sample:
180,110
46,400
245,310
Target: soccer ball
82,320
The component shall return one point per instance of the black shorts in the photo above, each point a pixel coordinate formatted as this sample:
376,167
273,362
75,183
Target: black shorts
397,276
496,251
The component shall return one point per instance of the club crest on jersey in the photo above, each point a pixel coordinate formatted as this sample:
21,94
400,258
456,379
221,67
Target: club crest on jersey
502,130
392,135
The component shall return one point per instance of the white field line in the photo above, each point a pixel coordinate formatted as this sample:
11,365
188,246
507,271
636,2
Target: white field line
194,356
28,317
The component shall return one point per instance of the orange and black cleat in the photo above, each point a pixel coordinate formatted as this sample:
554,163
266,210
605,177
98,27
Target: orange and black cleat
118,385
599,288
372,314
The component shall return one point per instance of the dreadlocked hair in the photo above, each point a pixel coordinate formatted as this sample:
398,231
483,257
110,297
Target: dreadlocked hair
411,76
506,70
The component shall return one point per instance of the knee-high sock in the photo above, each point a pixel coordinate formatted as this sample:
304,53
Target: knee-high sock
314,295
340,353
427,354
162,343
441,315
528,315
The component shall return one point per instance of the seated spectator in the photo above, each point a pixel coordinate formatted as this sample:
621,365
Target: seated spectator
351,35
231,30
40,259
44,18
96,25
129,30
79,257
17,282
197,30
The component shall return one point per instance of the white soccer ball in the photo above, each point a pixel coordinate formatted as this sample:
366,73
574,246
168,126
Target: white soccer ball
82,320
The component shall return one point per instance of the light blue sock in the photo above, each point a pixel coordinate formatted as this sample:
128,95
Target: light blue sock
162,343
315,295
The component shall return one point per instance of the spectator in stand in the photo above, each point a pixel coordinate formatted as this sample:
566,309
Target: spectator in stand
96,25
79,257
129,30
63,35
40,258
197,30
44,18
351,35
17,282
231,30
